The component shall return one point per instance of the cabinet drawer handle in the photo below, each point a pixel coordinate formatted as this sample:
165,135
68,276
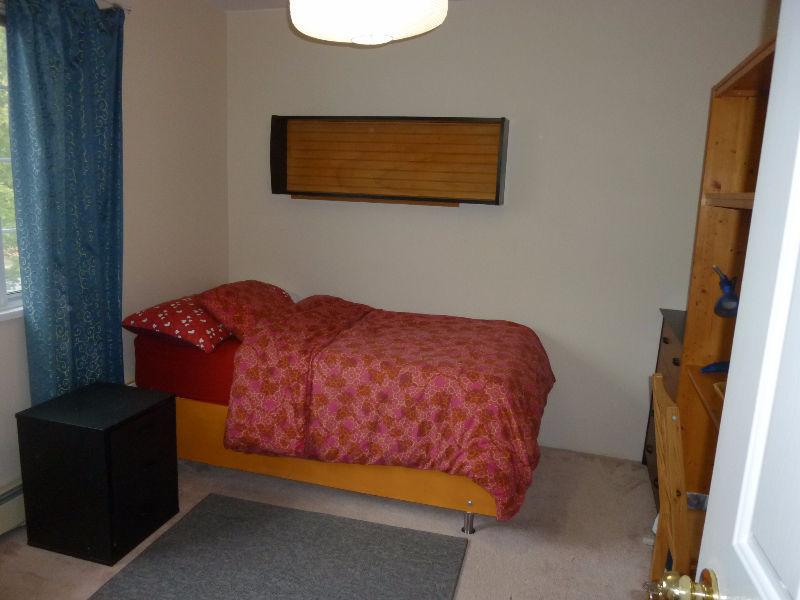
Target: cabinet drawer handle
649,448
655,483
665,340
676,361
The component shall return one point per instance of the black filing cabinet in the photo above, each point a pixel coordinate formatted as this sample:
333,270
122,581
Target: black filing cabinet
99,470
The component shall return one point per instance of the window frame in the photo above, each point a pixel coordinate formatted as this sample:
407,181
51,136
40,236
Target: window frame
3,293
9,301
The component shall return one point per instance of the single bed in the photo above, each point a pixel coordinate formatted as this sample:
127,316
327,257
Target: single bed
201,383
429,409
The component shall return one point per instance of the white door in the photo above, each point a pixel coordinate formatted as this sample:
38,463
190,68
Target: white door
752,534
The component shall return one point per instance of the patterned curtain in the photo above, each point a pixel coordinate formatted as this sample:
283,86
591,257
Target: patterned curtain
65,68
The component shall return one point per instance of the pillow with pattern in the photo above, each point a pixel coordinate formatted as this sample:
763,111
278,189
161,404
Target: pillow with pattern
182,319
240,306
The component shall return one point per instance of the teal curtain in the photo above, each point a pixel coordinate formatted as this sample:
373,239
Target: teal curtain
65,69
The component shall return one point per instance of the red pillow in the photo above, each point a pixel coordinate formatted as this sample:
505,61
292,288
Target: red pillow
242,305
180,319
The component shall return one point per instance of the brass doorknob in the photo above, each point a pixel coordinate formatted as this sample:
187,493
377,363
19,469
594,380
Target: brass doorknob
674,586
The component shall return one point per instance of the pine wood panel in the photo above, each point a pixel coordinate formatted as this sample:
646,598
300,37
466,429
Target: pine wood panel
421,160
704,385
400,125
673,525
444,160
390,174
329,147
733,150
736,200
483,141
393,189
699,436
752,76
374,201
395,162
721,240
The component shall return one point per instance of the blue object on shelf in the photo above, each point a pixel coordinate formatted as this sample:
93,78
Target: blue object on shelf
728,305
716,367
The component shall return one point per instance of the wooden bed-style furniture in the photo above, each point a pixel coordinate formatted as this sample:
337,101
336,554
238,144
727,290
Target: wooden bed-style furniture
201,428
477,415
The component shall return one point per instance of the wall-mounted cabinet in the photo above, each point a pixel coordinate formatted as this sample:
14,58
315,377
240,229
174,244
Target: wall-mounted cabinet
417,160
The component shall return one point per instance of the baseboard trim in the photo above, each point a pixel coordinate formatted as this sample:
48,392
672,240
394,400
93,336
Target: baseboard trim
12,507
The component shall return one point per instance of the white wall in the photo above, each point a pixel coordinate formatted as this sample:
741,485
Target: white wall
607,102
174,109
175,206
14,395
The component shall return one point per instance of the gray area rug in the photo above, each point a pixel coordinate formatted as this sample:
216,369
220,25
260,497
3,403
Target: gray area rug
230,548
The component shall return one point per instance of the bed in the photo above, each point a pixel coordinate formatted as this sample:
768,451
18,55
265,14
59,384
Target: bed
429,409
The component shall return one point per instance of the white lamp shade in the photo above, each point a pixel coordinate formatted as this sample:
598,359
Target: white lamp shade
366,22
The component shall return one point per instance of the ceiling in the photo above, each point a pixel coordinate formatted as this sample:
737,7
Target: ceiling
249,4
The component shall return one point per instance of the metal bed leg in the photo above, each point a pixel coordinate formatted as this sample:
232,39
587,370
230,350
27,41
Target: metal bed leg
469,520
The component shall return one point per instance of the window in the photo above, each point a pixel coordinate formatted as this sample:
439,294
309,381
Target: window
10,283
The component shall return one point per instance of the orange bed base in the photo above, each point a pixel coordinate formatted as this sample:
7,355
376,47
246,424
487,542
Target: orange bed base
201,427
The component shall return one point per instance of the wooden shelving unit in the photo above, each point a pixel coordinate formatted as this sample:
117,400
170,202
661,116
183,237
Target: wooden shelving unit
751,77
736,200
704,384
737,113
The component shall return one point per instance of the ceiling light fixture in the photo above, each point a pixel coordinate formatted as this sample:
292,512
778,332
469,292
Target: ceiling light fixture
366,22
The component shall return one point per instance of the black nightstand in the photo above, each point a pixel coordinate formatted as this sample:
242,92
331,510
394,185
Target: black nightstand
99,470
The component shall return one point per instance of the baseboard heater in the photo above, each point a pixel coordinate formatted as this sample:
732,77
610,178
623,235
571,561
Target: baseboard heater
12,507
443,161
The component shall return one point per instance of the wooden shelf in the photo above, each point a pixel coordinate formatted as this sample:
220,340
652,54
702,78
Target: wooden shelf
737,200
752,76
736,118
704,386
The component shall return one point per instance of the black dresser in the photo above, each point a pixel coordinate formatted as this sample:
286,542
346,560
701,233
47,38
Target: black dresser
668,363
99,470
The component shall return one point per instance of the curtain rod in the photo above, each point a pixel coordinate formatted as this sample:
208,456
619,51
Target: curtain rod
116,5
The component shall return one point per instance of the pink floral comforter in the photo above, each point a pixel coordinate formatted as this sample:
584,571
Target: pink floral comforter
342,382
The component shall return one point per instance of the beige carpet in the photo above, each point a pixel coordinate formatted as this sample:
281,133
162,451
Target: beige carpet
579,534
